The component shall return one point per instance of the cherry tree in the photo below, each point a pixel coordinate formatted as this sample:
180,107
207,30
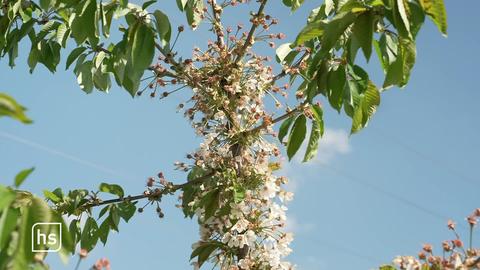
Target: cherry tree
231,186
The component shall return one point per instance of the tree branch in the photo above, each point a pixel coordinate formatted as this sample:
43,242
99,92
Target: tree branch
284,72
166,54
167,190
278,119
248,41
217,25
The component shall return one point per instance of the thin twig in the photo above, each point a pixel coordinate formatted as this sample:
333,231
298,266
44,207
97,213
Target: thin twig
217,24
278,119
166,54
250,34
167,190
284,72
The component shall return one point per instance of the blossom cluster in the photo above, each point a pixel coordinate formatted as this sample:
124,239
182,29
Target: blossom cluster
240,203
249,216
454,254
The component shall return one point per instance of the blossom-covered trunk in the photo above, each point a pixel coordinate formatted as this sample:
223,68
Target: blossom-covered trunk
240,207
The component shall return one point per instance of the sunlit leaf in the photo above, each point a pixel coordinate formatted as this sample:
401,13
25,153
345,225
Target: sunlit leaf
21,176
10,108
435,9
163,26
112,189
297,136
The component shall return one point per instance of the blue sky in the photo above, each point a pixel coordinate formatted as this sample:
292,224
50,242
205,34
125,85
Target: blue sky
365,199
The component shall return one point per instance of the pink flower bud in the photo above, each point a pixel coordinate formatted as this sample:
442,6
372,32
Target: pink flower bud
451,224
83,253
457,243
427,248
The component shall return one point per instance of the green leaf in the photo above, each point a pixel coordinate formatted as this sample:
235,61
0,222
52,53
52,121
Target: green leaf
181,4
371,100
295,4
417,17
387,267
39,212
195,172
98,59
193,17
403,15
297,135
68,244
84,23
45,4
322,77
74,55
26,29
283,51
62,35
287,3
317,14
204,251
6,197
21,176
318,117
89,235
112,189
8,221
104,230
363,32
107,16
329,6
33,58
126,210
367,107
12,55
238,193
335,29
312,145
398,72
49,54
310,31
435,9
51,196
58,192
114,218
103,211
10,108
190,191
210,202
148,3
142,49
284,127
336,87
85,76
359,76
101,80
381,56
163,27
390,47
316,132
394,74
409,53
75,231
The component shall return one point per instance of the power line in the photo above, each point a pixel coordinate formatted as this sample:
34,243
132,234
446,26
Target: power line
433,160
389,194
59,153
